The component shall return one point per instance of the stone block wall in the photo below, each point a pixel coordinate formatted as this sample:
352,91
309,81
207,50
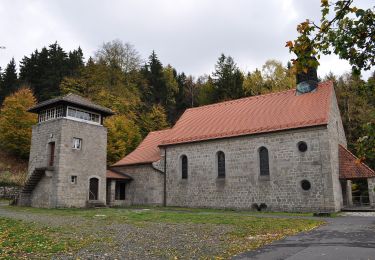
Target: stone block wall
243,184
56,188
147,186
371,191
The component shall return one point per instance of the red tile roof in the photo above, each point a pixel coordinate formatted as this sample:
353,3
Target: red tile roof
257,114
351,167
147,152
251,115
111,174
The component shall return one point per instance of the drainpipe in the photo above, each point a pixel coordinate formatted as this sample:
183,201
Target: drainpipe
165,178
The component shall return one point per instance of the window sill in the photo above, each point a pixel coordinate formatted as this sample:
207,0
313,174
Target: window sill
264,178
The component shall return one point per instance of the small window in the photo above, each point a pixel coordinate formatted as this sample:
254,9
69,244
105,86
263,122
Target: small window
264,161
306,185
120,190
220,164
51,146
302,146
184,167
77,143
73,179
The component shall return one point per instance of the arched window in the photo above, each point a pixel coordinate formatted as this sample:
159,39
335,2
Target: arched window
220,164
184,167
264,161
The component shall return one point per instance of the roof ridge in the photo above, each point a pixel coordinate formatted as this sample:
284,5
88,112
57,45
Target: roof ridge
159,131
355,157
240,99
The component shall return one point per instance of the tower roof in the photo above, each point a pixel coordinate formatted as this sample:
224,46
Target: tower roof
72,99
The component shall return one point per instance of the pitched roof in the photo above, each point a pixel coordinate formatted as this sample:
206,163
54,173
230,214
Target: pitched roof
350,166
72,99
252,115
113,174
257,114
147,152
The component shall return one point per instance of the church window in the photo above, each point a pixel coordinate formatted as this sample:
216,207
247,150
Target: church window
220,164
184,167
264,161
302,146
306,185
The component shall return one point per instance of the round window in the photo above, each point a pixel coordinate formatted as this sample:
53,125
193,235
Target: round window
306,185
302,146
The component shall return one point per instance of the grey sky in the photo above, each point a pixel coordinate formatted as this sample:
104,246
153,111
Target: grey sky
188,34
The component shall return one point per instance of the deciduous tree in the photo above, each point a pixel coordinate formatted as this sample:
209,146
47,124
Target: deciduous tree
16,122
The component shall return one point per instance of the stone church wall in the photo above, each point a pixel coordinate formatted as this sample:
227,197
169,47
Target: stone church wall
147,186
243,185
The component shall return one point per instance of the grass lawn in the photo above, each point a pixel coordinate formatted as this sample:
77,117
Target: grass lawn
142,232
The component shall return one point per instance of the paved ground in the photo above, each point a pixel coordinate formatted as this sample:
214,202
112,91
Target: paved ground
343,238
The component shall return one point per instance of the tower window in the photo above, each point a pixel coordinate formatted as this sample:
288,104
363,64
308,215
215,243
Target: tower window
77,143
73,179
51,147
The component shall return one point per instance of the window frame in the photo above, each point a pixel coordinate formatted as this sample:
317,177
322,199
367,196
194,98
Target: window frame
118,194
264,162
90,115
221,167
73,179
184,172
74,143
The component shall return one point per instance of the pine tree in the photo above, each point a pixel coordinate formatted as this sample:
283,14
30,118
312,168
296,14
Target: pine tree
228,80
9,80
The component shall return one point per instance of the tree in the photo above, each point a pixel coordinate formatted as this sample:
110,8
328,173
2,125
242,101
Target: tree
16,122
123,137
366,144
277,77
44,70
349,34
120,55
206,90
9,82
155,119
254,83
227,79
153,72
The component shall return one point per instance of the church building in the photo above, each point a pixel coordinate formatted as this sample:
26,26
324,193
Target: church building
282,151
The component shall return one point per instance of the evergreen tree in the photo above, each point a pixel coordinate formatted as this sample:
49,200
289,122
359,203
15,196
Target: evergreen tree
227,79
153,72
45,70
9,83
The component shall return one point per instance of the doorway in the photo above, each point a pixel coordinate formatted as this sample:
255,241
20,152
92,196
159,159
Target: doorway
360,193
94,189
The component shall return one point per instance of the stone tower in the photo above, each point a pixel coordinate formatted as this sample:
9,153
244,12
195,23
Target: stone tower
67,165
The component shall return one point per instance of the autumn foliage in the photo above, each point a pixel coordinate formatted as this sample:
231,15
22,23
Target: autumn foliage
16,122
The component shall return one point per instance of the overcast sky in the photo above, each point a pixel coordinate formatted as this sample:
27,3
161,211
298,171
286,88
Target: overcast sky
188,34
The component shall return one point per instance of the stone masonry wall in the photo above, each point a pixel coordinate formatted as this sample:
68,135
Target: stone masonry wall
56,189
86,163
147,186
336,137
242,185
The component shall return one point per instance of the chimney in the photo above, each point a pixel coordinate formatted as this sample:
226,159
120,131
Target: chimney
307,81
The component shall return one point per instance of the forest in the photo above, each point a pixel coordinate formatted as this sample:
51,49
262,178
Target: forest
147,95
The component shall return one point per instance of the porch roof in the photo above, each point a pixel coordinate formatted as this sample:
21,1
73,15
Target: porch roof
116,175
351,167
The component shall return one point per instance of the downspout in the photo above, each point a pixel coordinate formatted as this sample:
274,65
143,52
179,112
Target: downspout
165,178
